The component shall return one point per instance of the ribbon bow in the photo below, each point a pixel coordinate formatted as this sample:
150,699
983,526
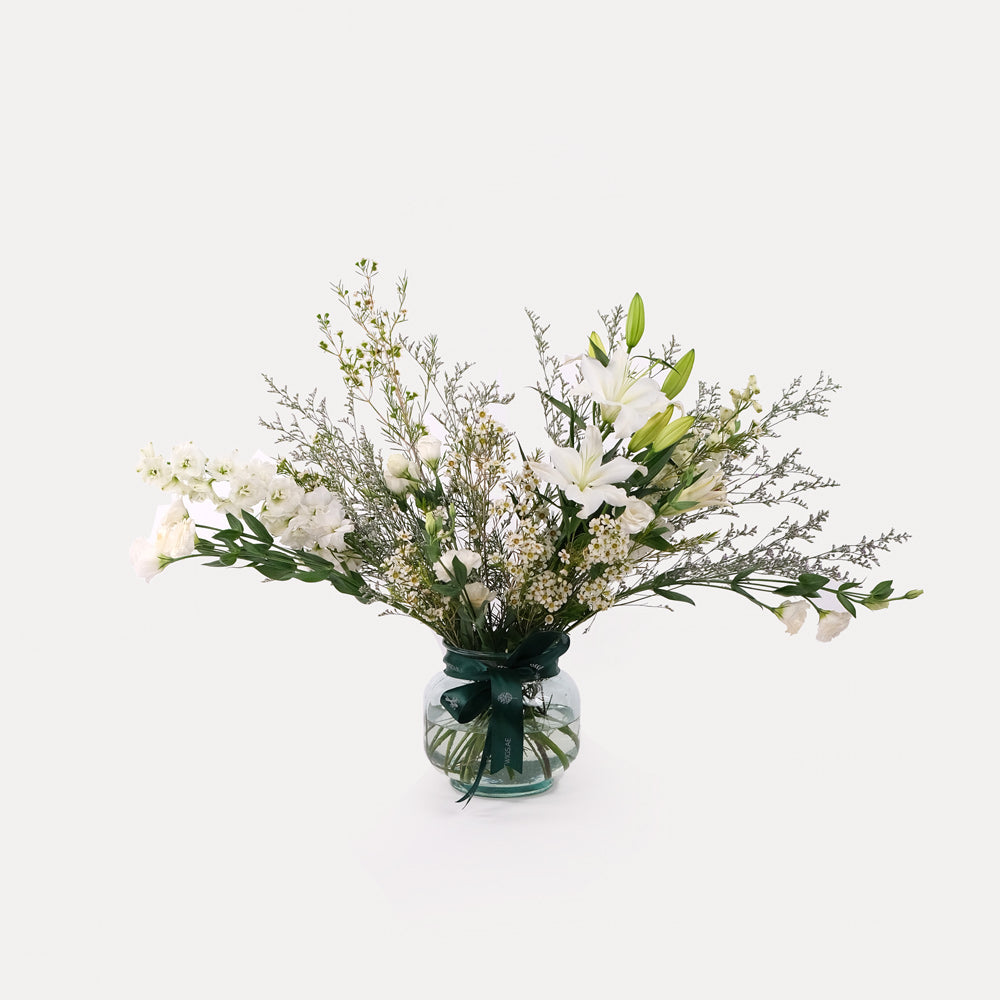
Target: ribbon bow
495,687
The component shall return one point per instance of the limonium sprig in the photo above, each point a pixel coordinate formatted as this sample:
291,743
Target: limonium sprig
418,497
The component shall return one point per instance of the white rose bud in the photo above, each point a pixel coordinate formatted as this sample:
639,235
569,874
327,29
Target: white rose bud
429,450
478,595
399,473
469,559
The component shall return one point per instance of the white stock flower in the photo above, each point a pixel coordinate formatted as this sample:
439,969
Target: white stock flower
793,615
281,503
154,469
638,514
222,468
583,478
247,486
443,568
478,595
429,450
188,462
626,401
399,473
831,624
318,525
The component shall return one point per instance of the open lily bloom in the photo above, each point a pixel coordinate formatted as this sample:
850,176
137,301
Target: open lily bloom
583,478
626,401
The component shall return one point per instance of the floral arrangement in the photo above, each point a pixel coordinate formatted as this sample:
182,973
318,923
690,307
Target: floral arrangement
451,521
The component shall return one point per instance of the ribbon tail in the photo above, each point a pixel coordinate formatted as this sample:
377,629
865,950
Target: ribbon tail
467,797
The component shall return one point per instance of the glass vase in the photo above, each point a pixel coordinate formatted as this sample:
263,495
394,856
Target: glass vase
551,711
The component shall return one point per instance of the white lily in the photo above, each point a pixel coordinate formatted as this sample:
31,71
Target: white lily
583,478
626,401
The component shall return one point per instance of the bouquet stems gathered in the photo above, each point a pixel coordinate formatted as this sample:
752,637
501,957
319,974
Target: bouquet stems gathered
418,497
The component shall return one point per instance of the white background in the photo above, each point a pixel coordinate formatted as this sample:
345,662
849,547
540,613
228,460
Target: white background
214,788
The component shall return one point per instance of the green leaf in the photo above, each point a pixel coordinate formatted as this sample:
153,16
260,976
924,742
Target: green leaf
813,580
234,523
227,559
792,590
848,604
257,528
657,542
677,379
559,405
448,589
882,590
312,575
635,324
673,595
460,572
275,572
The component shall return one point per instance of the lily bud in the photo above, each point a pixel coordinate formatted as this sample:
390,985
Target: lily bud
635,324
596,348
646,434
673,433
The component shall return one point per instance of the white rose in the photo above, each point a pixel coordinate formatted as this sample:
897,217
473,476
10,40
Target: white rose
399,473
478,595
637,515
176,540
831,624
793,614
469,559
429,450
145,558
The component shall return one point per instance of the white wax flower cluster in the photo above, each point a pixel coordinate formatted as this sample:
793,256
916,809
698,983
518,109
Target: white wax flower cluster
311,521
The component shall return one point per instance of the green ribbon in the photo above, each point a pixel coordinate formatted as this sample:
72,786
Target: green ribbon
495,687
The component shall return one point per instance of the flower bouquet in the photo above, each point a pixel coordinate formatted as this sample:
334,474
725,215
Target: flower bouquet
419,498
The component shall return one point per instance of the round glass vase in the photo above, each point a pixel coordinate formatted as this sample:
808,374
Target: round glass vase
551,735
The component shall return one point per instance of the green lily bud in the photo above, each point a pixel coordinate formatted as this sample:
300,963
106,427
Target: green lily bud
596,348
677,379
430,523
635,324
646,434
673,433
